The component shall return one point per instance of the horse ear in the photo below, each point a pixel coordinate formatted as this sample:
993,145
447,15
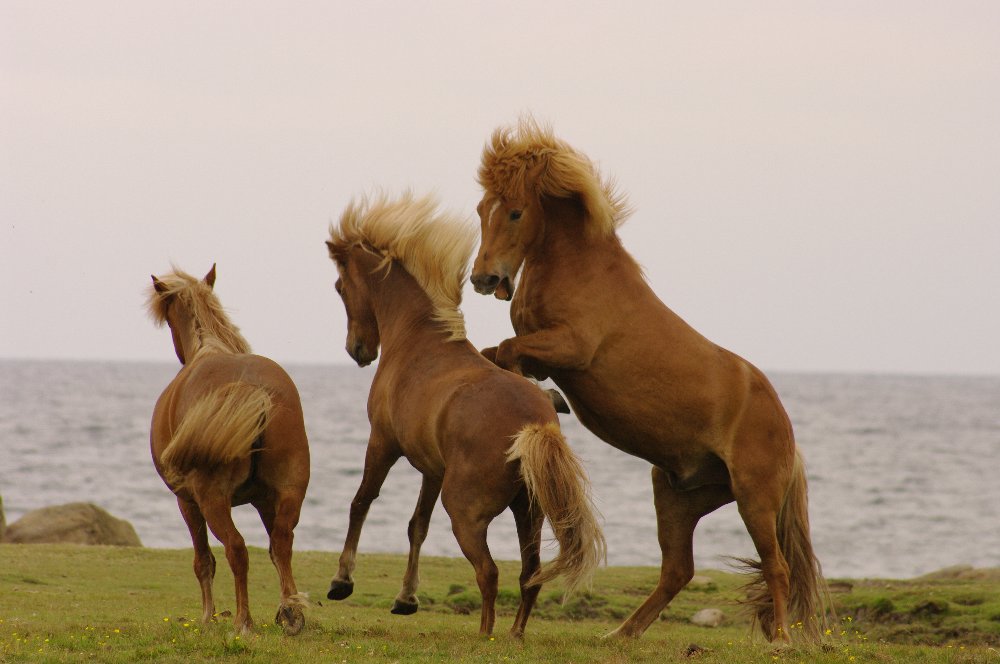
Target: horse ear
534,173
158,285
210,277
337,254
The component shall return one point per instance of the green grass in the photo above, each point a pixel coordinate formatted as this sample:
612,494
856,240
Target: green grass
64,603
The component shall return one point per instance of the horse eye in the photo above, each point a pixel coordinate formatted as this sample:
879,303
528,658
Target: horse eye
515,215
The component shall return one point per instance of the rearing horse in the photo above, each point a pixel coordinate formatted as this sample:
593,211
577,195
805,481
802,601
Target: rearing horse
484,439
228,430
638,376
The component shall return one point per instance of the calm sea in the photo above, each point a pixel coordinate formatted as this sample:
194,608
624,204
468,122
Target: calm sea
902,470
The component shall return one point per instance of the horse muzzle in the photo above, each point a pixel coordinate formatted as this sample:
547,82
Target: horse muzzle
359,353
493,284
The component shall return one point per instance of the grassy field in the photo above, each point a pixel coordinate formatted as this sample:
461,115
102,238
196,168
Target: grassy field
62,603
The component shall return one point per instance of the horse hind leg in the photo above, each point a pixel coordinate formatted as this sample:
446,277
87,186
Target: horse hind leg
204,561
768,596
218,515
528,518
469,523
280,517
677,514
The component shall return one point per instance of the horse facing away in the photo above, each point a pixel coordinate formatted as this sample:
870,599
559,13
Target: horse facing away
484,439
228,430
639,377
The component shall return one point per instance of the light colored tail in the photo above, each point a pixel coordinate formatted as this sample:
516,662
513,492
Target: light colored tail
808,598
221,427
555,478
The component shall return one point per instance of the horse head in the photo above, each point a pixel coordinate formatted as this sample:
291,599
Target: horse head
509,228
180,319
355,263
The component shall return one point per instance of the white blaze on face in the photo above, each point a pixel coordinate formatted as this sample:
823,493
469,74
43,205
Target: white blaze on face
493,209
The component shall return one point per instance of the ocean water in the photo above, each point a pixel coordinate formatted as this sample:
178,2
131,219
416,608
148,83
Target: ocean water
902,470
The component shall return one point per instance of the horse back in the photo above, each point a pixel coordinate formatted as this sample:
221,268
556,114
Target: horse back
464,406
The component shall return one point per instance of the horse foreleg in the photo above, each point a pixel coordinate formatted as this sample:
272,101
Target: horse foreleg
560,347
378,461
528,518
204,561
677,514
218,515
406,602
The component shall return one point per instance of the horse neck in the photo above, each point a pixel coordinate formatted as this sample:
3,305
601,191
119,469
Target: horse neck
404,312
198,339
565,245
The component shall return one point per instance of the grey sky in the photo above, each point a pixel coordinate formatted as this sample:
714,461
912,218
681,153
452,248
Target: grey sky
817,185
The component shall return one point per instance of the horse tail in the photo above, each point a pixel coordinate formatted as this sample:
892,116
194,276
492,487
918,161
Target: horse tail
556,481
808,597
219,428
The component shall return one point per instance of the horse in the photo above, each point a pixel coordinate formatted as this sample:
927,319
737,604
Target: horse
483,439
228,430
639,377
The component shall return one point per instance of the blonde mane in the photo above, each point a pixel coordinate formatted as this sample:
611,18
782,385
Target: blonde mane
529,160
214,329
433,247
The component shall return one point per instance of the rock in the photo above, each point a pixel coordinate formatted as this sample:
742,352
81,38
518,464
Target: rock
74,523
708,618
700,582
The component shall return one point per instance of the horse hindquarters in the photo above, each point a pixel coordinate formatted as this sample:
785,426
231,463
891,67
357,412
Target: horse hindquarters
221,427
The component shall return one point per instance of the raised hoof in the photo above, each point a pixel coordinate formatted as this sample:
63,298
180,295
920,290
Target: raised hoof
291,619
404,608
558,402
340,589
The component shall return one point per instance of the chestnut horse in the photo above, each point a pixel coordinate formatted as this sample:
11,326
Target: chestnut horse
484,439
227,431
639,377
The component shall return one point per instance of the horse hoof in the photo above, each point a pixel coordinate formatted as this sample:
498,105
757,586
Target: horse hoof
403,608
340,589
291,619
558,402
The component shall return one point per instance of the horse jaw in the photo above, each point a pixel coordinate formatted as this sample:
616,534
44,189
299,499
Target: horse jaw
504,290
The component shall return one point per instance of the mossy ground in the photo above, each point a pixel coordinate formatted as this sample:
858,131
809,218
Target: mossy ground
61,603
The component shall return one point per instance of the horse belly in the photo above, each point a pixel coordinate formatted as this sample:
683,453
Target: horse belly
674,436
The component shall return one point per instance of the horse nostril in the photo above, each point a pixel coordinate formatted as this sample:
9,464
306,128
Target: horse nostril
485,282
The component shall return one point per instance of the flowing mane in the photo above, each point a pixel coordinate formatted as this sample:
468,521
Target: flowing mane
216,330
530,160
433,247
